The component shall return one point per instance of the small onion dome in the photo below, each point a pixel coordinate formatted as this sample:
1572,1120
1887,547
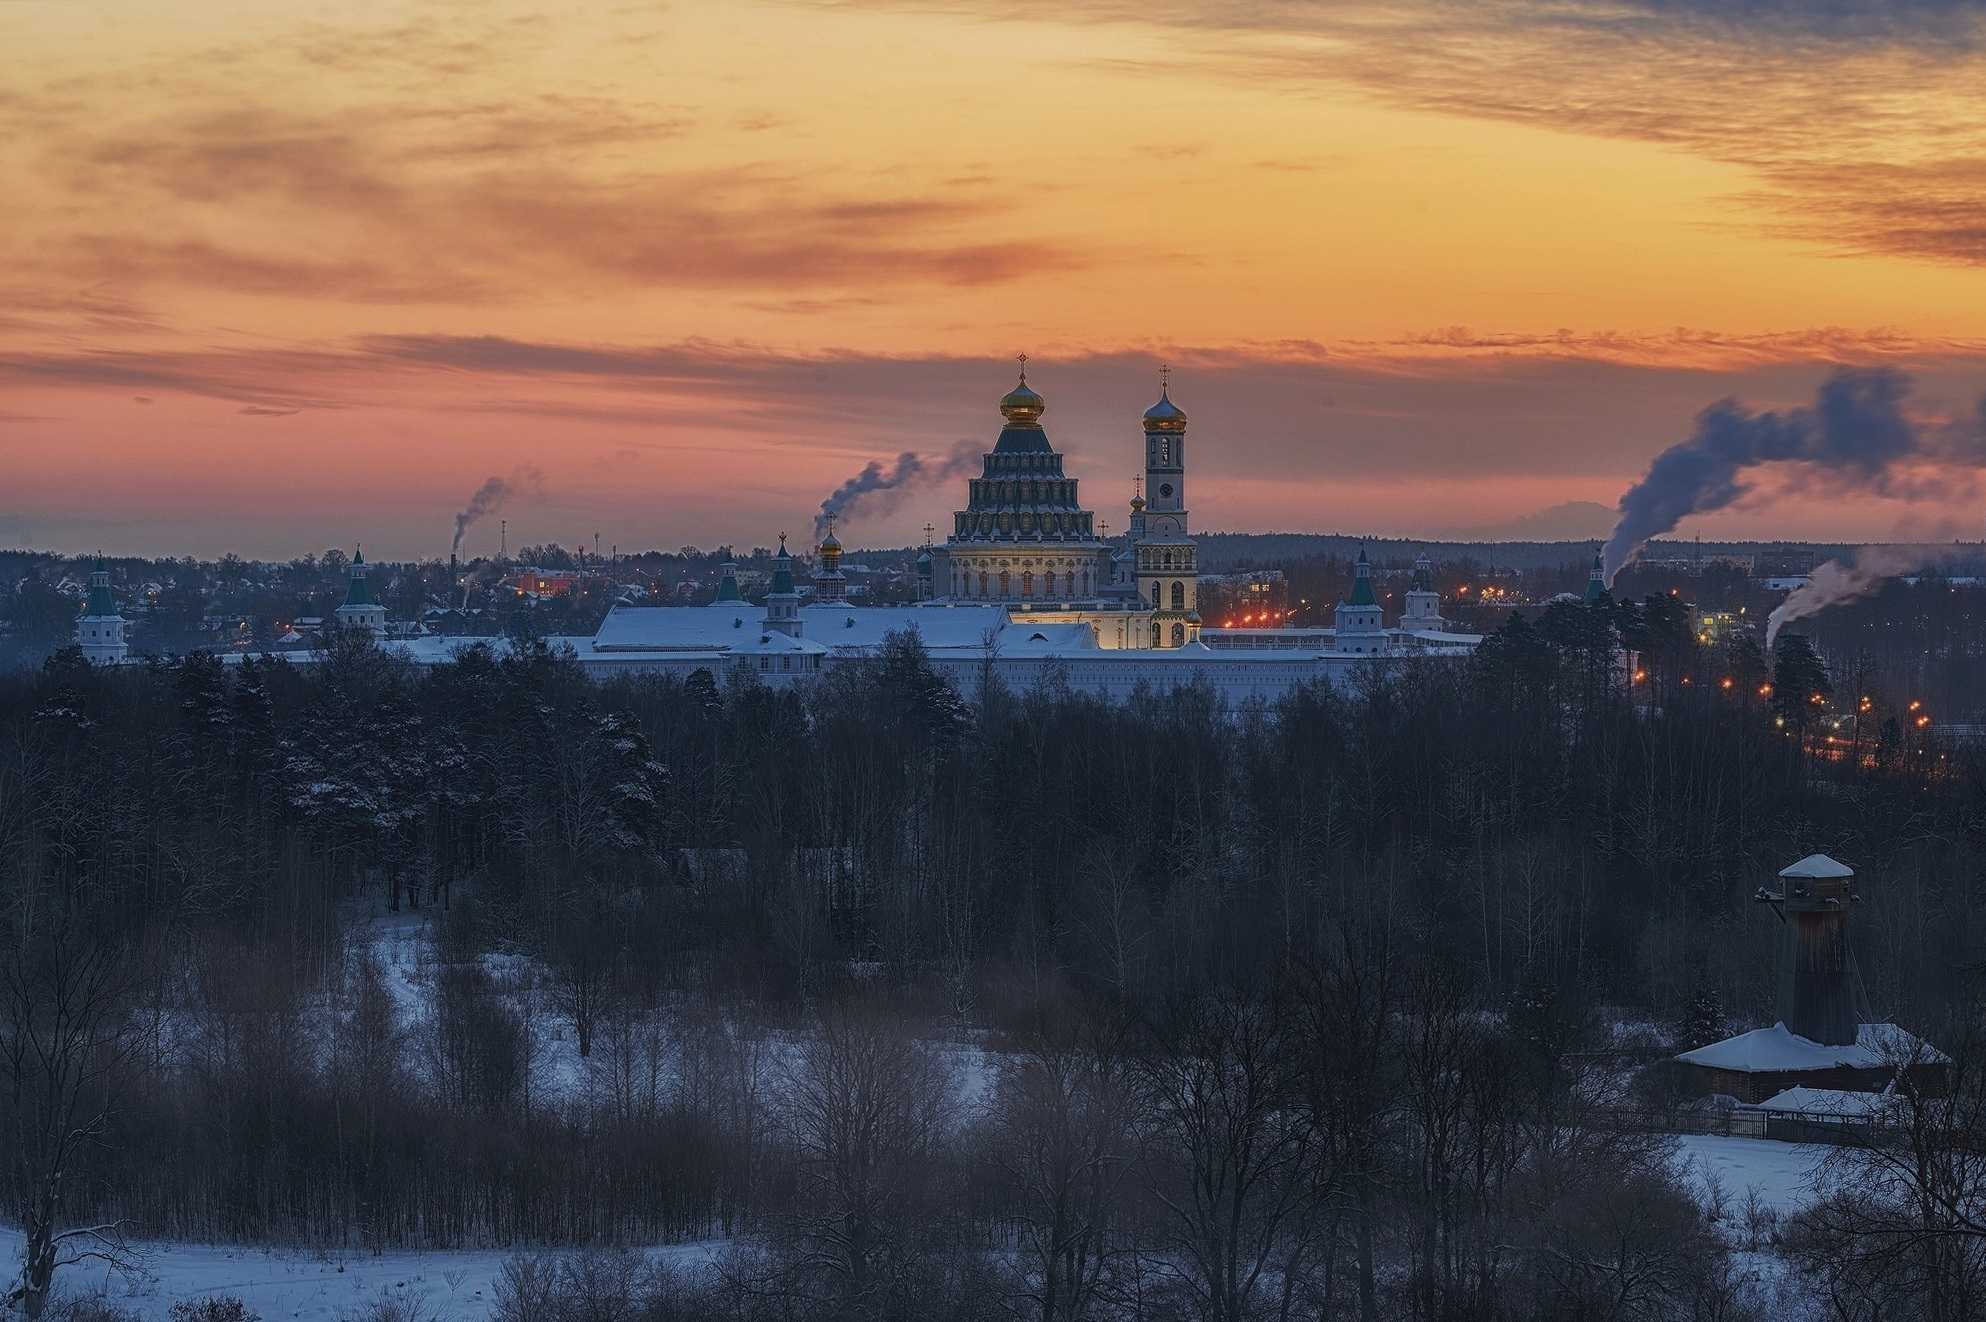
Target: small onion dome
1022,406
1165,415
830,543
1137,504
1193,617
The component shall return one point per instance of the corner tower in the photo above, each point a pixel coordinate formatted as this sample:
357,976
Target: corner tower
101,632
1167,559
782,603
360,611
1596,582
1357,624
1423,609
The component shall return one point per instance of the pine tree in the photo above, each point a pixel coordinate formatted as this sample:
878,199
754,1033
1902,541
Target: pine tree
1800,686
1702,1020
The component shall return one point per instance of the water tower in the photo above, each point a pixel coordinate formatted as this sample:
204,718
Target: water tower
1816,991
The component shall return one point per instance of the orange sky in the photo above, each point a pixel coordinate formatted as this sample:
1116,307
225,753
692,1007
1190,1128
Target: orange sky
278,277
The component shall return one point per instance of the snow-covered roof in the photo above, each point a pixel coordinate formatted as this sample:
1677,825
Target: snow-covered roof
732,625
1776,1049
435,649
1830,1101
763,642
1025,638
842,627
1817,867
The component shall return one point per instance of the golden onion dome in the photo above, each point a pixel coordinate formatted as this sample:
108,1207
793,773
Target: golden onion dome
1022,406
1165,415
1137,504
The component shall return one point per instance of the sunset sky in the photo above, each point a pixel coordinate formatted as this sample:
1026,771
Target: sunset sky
279,277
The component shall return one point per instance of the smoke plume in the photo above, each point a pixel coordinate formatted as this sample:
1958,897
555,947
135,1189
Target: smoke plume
493,495
878,490
1855,439
1837,582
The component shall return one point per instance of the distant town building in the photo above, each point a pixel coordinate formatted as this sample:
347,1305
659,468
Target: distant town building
544,583
1786,562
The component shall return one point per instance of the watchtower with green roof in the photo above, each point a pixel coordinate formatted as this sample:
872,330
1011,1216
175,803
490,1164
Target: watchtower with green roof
101,632
360,611
727,587
1596,582
1358,622
782,604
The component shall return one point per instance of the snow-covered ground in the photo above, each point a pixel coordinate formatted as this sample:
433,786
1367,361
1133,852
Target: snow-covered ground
1785,1175
279,1285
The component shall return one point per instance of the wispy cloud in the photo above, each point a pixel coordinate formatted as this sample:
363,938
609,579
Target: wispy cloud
1862,124
352,215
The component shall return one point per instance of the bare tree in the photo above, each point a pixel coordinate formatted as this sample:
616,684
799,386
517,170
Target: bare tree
867,1116
1903,1229
1348,1003
69,1050
1226,1151
1062,1122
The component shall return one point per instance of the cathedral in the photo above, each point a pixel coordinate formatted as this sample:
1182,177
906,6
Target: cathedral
1025,540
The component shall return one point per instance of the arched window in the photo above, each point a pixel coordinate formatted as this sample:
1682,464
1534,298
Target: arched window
1027,582
1006,584
1155,596
1179,596
1158,635
1179,635
982,582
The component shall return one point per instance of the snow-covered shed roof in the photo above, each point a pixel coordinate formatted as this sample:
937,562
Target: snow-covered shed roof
1776,1050
1830,1101
1817,867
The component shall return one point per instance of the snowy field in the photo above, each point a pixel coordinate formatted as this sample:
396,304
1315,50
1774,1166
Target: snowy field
1784,1175
278,1285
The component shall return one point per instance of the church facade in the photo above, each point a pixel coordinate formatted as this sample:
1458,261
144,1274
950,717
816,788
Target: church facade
1025,540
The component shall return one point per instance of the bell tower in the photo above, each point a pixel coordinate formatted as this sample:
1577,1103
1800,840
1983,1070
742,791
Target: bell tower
830,584
1167,560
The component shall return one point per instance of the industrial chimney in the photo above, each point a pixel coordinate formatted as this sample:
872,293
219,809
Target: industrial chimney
1816,997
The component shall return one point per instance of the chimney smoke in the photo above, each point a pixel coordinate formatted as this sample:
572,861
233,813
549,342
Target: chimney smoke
878,490
1856,438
